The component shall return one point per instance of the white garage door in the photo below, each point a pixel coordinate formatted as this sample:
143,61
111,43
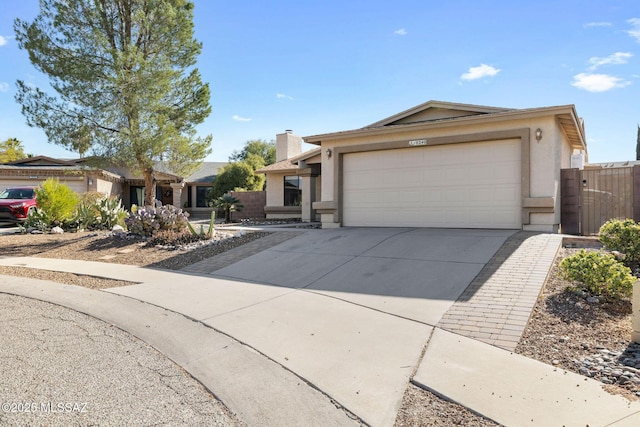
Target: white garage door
474,185
78,186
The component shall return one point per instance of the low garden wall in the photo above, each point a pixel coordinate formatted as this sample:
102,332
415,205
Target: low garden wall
254,203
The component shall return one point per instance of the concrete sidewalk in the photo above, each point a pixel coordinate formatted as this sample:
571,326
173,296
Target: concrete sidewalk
516,391
353,324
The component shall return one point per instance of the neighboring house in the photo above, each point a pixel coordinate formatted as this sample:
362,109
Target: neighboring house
82,176
439,164
33,170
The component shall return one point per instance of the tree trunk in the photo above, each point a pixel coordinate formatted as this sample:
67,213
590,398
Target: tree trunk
149,188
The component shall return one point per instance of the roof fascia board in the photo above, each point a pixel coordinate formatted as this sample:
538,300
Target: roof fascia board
53,161
510,114
436,104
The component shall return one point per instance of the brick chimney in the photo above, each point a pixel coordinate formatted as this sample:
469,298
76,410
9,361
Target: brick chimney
287,145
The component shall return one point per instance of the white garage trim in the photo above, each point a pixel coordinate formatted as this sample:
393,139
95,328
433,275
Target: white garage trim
471,185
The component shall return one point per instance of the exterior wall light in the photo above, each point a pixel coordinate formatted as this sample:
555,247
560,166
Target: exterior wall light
329,152
90,181
538,134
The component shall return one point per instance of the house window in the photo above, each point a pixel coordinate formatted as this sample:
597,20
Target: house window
201,196
136,195
292,191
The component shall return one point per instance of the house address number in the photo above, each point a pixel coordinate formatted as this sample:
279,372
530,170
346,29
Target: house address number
415,142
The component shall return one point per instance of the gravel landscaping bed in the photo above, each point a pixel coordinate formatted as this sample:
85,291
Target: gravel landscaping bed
580,333
107,247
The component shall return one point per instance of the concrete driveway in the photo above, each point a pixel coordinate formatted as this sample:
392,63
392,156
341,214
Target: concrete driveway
348,310
414,273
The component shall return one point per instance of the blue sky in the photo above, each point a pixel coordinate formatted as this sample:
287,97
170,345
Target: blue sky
325,66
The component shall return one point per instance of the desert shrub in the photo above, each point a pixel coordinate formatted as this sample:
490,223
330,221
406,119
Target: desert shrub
622,236
600,273
56,203
99,212
37,220
147,221
174,238
228,204
201,234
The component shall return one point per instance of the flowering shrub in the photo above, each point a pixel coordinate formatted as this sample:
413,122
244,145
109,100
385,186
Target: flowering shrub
147,221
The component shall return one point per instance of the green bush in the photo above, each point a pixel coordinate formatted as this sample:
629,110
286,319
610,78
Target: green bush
600,273
622,236
56,203
99,212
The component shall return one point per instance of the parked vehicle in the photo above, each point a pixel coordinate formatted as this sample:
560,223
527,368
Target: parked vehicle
16,204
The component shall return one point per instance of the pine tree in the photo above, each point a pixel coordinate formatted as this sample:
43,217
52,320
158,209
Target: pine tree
125,81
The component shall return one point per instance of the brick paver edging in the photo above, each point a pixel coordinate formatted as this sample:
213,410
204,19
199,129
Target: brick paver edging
234,255
496,306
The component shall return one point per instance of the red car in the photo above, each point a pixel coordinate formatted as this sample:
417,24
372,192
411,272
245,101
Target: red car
16,203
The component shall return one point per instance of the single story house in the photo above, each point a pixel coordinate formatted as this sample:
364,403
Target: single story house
83,176
438,164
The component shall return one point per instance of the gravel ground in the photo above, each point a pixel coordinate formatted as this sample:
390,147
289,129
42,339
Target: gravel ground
63,368
565,329
421,408
578,332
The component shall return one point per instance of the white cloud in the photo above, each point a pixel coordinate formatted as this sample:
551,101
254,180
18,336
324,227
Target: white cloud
3,41
4,87
616,58
237,118
283,96
597,24
483,70
635,32
598,82
400,32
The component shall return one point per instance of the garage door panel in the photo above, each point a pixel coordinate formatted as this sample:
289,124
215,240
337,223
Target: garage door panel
76,185
509,195
474,185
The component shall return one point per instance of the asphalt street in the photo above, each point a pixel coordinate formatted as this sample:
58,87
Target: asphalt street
63,368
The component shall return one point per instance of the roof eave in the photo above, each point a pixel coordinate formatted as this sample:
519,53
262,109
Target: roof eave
456,121
435,104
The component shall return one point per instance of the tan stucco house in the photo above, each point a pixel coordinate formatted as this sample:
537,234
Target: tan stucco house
83,176
439,164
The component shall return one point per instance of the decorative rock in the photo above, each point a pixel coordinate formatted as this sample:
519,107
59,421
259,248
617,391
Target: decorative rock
593,300
613,367
57,230
118,229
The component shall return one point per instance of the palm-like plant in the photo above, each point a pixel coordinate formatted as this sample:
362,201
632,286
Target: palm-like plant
228,204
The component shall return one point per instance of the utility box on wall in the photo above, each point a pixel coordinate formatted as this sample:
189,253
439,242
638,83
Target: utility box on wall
577,161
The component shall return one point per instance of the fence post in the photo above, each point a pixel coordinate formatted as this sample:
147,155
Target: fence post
635,308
